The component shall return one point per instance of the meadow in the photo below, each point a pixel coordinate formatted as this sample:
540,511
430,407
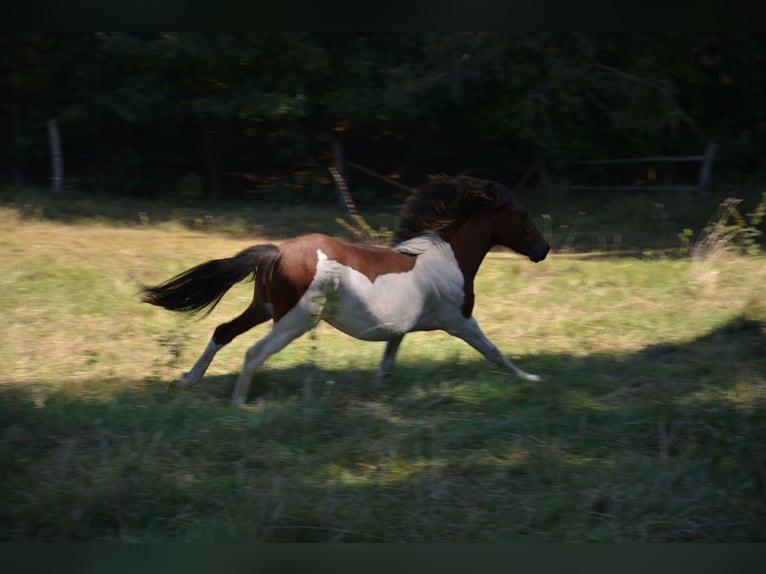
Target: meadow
649,424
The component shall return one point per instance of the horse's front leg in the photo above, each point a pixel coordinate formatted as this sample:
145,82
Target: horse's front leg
470,332
386,365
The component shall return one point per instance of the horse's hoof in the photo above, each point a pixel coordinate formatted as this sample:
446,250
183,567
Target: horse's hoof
380,379
180,384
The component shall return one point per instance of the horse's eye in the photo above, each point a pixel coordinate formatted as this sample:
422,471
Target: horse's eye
524,214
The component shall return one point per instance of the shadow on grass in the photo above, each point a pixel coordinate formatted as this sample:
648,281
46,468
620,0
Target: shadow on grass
664,444
602,225
272,221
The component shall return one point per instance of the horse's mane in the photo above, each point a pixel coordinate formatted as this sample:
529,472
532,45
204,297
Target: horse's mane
444,203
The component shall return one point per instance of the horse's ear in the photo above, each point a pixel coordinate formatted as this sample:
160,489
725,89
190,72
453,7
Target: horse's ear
496,192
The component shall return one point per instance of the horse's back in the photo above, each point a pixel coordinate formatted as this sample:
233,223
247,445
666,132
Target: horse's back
371,293
300,255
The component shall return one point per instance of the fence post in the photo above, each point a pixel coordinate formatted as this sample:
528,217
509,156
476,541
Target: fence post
707,165
57,160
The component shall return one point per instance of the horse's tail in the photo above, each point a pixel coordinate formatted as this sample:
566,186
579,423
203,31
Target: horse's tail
202,287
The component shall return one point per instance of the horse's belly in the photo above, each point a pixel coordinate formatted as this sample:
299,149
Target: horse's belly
390,305
378,311
376,318
365,331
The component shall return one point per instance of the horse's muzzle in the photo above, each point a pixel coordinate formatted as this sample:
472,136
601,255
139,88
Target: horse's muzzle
538,252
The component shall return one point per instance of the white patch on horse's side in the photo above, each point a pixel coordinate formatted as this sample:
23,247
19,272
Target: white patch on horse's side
422,298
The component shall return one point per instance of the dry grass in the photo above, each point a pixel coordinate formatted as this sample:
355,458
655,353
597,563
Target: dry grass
648,425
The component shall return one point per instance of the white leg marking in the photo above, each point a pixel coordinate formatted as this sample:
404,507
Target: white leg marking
471,333
290,327
195,374
389,358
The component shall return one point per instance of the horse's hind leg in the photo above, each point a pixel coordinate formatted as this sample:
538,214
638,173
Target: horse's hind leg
287,329
255,314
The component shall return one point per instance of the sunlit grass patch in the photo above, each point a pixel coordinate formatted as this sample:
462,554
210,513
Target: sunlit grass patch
647,426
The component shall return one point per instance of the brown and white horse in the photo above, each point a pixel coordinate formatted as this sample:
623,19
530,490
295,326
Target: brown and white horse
424,282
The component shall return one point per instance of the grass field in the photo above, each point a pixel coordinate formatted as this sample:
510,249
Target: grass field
649,424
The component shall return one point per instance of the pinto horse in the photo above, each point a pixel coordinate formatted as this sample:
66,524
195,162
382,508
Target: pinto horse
424,282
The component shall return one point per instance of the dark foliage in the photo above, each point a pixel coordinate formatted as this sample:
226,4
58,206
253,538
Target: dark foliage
194,115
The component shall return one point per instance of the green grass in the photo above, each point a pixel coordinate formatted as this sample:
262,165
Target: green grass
649,424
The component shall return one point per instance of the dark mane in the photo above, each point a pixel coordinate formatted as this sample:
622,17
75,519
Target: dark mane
444,203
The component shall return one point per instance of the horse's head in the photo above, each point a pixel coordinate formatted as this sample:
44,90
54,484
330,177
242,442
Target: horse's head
472,214
513,227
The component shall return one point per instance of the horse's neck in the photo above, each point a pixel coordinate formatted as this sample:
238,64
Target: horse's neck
470,244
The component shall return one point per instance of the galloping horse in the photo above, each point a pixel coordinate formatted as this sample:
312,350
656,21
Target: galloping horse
424,282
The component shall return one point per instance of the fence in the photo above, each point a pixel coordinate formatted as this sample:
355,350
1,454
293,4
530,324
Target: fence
706,166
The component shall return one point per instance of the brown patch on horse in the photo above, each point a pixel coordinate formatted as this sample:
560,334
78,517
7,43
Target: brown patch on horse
297,265
255,314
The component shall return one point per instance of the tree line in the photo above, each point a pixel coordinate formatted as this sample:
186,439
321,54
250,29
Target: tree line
217,115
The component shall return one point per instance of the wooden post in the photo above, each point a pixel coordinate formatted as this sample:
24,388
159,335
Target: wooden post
707,165
57,160
16,131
